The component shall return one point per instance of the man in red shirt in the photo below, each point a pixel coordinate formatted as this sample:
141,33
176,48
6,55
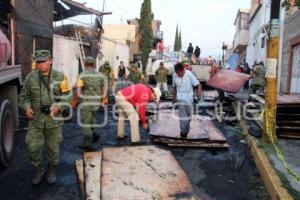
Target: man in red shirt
132,101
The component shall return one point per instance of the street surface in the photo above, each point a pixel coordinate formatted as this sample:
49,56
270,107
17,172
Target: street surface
210,171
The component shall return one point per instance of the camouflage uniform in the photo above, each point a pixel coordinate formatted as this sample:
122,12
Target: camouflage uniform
161,76
43,128
106,70
259,81
135,77
91,83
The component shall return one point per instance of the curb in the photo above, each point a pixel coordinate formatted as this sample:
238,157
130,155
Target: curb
270,178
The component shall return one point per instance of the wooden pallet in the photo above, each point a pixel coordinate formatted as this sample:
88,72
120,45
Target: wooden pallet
144,172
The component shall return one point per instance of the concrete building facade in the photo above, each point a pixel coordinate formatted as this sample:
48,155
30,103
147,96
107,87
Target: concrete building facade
290,67
258,21
240,41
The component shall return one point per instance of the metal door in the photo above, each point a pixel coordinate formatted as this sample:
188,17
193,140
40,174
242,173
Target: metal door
295,78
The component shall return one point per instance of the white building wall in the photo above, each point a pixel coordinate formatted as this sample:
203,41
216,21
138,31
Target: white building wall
115,52
254,50
65,57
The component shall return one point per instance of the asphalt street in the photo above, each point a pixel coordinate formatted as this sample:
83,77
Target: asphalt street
213,172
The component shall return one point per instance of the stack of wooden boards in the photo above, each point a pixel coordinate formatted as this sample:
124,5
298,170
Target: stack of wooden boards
287,117
139,173
203,133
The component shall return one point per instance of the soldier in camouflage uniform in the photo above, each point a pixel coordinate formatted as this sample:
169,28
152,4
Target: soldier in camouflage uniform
90,85
44,96
258,74
135,76
161,76
107,71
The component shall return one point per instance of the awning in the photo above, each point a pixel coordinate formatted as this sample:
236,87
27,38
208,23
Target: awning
64,9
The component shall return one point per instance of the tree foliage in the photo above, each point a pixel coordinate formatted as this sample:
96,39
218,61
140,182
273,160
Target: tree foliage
179,42
145,29
289,4
176,43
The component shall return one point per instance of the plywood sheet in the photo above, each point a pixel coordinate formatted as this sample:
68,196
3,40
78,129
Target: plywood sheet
143,172
202,128
228,80
92,174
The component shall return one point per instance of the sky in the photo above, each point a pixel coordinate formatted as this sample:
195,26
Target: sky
206,23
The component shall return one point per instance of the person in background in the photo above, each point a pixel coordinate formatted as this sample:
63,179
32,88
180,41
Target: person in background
258,75
246,70
160,49
44,97
238,69
90,89
107,71
189,52
134,75
121,72
197,53
183,85
161,76
132,101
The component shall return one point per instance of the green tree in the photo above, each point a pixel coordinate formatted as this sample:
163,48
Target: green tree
176,43
179,41
145,29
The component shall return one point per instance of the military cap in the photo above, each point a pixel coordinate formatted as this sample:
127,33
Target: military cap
41,55
106,62
89,60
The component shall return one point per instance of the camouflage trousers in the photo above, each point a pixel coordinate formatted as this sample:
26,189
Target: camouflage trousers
255,87
88,119
37,138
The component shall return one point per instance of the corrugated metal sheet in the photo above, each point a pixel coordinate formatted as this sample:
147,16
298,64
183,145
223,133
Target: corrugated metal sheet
34,17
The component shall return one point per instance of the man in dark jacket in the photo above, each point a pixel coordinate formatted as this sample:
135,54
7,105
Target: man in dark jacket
189,52
197,54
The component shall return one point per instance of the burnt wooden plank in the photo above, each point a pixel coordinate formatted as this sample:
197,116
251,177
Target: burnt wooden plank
202,128
92,175
200,145
289,135
187,143
143,172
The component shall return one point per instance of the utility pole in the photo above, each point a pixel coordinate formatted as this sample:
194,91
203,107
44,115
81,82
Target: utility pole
272,73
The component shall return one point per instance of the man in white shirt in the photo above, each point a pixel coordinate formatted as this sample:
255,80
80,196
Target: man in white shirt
183,89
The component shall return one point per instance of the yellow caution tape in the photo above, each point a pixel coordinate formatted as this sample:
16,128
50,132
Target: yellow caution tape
268,114
64,85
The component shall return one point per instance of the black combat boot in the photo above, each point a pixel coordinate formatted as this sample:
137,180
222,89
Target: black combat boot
37,179
95,137
51,178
